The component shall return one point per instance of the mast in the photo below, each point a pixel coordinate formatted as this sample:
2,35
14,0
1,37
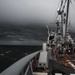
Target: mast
63,18
67,13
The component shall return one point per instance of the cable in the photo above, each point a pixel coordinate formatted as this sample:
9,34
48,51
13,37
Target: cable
72,5
56,15
61,4
64,4
71,27
74,10
61,7
47,29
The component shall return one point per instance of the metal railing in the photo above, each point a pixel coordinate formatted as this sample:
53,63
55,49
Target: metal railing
21,67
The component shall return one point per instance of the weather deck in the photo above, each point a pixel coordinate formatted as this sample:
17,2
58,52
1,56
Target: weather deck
55,67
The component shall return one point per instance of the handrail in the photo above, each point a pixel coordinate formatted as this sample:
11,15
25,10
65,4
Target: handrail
17,67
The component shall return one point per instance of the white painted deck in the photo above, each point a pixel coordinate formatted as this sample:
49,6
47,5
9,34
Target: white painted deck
58,74
39,73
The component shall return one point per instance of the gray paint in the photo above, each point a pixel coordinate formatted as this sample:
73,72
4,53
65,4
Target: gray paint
17,67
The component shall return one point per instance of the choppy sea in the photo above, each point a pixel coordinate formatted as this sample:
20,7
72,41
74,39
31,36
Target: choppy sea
9,54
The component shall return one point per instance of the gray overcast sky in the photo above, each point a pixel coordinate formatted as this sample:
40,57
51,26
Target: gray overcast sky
30,10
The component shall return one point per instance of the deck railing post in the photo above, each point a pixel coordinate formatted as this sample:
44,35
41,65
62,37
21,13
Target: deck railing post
29,70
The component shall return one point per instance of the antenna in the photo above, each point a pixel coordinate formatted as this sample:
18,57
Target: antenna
48,33
47,29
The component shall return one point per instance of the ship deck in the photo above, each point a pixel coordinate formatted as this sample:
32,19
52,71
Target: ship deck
55,67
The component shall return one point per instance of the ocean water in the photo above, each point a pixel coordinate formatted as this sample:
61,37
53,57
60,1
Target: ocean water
17,41
9,54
